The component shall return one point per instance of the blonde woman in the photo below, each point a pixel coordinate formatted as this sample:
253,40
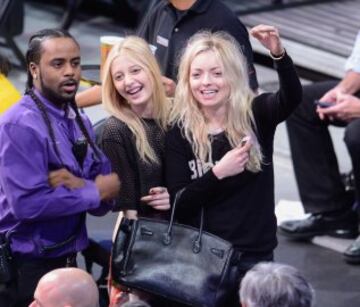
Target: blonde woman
221,144
133,137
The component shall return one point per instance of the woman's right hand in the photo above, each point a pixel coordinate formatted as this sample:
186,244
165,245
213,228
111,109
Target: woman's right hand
233,162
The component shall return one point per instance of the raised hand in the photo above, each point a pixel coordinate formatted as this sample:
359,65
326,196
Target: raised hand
269,37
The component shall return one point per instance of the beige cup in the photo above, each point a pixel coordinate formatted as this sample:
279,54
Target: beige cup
106,43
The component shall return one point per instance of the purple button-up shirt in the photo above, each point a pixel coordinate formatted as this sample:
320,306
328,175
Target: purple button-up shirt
41,219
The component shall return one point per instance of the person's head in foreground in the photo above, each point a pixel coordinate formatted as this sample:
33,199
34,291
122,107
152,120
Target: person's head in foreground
275,285
66,287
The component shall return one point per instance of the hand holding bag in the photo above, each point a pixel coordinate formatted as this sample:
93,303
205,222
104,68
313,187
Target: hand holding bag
175,261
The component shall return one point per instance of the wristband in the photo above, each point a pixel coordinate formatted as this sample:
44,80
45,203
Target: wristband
277,58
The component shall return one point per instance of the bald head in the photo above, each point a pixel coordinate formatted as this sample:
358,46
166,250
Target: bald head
67,287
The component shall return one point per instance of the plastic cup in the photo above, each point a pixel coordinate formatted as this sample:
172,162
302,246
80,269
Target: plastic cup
106,43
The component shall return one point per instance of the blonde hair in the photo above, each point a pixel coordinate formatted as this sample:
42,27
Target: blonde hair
239,121
137,49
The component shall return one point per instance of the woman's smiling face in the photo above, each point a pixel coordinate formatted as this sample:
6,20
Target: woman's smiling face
132,81
207,82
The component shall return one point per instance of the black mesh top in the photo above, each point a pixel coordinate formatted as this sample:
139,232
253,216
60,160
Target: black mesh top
136,176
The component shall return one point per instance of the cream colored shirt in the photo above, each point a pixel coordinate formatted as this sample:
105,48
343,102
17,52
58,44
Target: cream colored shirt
353,62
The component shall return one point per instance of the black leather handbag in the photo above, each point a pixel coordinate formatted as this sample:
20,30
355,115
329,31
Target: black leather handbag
178,262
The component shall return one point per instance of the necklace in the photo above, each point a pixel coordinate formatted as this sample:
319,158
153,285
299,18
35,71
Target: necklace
215,130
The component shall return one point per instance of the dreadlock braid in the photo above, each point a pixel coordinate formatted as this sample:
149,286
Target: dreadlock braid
78,119
46,118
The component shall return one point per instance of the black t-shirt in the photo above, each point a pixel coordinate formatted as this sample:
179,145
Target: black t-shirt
239,209
168,30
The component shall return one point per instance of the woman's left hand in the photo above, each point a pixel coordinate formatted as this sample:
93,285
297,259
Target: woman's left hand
158,198
269,37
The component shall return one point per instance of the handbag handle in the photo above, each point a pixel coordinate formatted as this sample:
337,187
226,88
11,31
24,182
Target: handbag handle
167,236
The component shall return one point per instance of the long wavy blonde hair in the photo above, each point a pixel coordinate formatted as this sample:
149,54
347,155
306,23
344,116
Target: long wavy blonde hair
138,50
239,121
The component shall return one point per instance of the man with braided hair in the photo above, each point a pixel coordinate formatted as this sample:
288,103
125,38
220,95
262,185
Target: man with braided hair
51,172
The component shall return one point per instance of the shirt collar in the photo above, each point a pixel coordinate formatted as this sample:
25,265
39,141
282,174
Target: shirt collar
200,6
51,108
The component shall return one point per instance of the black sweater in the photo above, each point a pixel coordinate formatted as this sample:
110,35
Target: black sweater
239,209
136,176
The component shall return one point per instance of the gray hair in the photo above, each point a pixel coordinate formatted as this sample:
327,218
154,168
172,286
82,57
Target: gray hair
275,285
137,303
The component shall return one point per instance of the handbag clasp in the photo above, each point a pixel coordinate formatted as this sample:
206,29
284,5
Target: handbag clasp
166,239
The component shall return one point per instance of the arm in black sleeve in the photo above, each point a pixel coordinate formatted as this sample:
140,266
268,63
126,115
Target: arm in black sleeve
180,172
121,165
276,107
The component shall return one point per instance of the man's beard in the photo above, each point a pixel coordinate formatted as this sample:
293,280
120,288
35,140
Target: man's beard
54,97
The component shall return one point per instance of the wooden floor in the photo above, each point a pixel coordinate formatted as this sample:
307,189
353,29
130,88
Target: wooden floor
320,35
